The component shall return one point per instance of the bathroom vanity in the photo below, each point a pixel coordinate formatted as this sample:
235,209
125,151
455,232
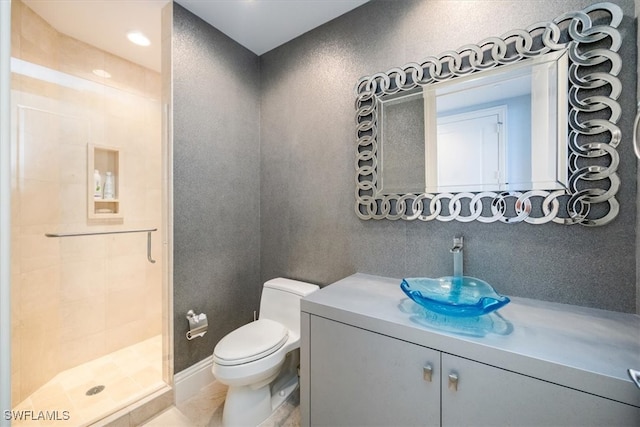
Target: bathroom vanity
370,356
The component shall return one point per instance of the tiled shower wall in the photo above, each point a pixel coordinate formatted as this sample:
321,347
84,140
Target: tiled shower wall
78,298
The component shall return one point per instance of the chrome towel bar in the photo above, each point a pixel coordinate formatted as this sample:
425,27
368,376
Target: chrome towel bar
98,233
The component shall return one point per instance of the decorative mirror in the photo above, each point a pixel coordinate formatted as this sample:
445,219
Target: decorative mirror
516,128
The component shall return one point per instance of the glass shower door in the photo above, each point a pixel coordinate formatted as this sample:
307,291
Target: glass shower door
87,302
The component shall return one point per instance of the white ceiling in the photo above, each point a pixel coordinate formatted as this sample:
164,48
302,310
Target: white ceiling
259,25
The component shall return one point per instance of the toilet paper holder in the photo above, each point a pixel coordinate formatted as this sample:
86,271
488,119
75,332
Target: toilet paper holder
197,324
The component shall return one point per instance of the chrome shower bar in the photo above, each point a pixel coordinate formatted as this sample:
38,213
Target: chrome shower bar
98,233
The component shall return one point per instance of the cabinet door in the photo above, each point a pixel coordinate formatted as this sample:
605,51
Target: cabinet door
361,378
489,396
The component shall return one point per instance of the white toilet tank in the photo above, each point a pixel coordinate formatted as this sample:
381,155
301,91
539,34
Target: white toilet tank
280,301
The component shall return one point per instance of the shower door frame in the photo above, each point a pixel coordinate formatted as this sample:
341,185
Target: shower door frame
5,217
5,209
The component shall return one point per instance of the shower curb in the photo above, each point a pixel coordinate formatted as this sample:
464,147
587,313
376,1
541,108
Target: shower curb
188,382
140,411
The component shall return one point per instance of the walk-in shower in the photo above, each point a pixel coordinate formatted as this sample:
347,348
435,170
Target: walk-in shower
89,281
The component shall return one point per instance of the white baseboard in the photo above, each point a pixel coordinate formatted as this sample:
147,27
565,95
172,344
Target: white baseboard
189,382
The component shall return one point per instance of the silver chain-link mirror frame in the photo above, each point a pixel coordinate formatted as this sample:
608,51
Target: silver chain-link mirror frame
592,140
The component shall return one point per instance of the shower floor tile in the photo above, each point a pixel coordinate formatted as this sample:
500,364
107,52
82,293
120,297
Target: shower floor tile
128,375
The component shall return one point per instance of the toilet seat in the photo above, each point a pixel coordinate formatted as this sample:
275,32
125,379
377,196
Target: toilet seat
250,342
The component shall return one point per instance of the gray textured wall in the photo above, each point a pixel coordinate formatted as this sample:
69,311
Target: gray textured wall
308,226
216,183
637,5
274,166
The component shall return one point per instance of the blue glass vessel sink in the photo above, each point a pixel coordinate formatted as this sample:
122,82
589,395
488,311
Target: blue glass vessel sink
454,296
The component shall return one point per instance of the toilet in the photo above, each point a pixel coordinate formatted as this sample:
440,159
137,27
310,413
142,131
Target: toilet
259,361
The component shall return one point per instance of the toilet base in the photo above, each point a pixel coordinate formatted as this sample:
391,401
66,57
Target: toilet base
246,406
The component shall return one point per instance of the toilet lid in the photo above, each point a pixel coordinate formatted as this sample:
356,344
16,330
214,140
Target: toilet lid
250,342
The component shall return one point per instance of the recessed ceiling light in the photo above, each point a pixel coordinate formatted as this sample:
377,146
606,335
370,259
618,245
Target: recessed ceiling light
138,38
102,73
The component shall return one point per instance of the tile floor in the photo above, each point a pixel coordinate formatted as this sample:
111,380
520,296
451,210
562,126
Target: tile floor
205,410
127,374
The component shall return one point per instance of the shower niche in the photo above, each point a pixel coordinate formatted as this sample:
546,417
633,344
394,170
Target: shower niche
103,192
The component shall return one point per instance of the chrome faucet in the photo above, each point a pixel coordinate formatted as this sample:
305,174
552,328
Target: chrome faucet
456,250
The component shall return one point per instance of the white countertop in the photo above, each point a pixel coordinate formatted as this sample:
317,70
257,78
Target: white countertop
578,347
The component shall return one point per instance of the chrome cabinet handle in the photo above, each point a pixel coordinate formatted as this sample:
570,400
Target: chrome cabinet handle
453,381
427,372
636,125
635,376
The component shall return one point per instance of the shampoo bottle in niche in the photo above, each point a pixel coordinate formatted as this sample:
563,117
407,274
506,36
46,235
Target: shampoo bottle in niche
97,185
108,186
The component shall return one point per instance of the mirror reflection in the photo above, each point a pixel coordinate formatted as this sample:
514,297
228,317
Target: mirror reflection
500,130
447,138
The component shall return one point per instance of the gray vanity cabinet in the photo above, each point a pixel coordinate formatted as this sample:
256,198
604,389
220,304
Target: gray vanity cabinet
366,362
360,378
489,396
